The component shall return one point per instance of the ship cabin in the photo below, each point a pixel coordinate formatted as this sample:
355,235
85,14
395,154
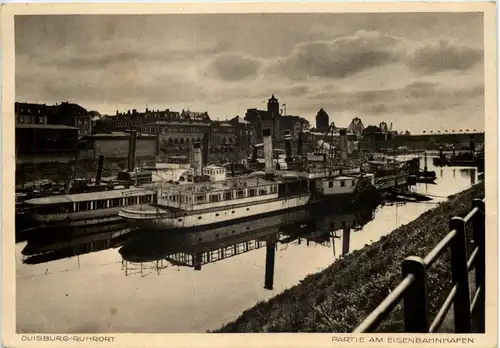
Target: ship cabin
174,162
136,177
215,173
342,184
228,192
337,185
61,206
384,168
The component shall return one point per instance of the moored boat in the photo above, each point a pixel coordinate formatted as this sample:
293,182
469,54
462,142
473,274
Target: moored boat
204,204
85,208
214,199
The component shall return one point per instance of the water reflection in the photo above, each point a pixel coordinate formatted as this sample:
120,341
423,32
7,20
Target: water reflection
146,250
47,246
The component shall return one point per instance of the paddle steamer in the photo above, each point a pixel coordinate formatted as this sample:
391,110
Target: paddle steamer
213,199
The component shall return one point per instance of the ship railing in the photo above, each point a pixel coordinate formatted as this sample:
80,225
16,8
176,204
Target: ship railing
412,289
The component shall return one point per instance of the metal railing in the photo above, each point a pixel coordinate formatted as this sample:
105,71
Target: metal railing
413,288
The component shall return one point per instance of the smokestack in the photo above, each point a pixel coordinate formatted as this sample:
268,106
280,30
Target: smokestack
472,144
343,144
254,153
158,139
206,147
98,175
197,160
299,144
268,153
131,150
288,143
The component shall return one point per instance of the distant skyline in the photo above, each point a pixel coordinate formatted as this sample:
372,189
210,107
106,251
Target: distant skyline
420,71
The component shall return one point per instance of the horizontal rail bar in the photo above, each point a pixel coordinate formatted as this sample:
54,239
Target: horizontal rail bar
434,254
387,305
438,320
471,214
472,258
474,300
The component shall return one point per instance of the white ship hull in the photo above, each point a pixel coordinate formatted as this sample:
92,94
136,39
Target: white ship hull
152,218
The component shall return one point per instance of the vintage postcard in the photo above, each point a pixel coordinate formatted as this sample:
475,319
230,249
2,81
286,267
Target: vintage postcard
249,175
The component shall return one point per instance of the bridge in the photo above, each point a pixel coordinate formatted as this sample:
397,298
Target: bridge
413,287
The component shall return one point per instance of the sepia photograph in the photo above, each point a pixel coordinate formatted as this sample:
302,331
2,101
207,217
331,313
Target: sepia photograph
274,171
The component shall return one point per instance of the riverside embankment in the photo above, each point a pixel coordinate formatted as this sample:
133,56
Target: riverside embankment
338,298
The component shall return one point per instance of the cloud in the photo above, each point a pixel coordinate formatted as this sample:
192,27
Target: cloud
414,98
340,57
443,56
114,85
104,53
233,67
206,64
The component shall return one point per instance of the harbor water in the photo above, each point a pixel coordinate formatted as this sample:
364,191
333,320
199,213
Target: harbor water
103,290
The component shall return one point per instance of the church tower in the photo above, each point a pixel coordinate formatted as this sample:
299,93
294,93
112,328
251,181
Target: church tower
273,110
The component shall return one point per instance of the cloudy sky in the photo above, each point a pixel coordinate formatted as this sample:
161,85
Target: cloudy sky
419,71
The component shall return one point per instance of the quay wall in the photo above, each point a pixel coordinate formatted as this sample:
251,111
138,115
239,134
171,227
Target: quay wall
340,297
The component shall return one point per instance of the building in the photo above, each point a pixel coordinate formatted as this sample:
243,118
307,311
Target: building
72,115
300,126
116,145
322,121
222,135
245,132
273,110
270,118
27,113
36,139
295,124
133,118
176,135
67,114
181,135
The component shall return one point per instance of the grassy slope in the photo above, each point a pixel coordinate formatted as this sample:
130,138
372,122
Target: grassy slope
340,297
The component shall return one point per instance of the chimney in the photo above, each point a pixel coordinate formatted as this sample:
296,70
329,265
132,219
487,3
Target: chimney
98,175
288,143
158,139
206,147
299,144
268,153
472,144
254,153
343,144
131,150
197,160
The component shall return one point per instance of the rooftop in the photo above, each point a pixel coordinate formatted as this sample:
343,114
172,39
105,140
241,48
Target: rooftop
118,134
44,126
91,196
167,123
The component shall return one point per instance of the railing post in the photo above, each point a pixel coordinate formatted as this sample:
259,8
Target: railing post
415,299
460,274
478,224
